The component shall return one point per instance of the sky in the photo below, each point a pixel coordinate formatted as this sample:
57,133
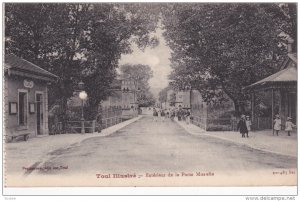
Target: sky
158,60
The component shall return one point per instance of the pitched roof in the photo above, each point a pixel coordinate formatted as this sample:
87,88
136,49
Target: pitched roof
286,75
17,64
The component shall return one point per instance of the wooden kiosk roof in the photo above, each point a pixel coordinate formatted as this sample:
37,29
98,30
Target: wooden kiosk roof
285,78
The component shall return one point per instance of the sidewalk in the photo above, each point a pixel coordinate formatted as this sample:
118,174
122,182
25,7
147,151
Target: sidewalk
259,140
36,150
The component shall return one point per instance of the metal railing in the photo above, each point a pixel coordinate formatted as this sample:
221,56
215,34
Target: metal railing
110,121
73,127
229,124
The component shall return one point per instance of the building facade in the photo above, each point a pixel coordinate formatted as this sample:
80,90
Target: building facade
26,97
183,99
178,99
124,95
129,98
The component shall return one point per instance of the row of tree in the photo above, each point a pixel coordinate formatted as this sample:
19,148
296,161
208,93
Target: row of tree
78,42
221,48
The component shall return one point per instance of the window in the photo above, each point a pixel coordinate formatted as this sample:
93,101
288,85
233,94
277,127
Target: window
22,109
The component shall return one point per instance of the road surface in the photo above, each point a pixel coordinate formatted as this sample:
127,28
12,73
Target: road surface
145,146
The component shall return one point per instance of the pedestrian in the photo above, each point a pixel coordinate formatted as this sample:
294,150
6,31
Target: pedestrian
163,114
172,115
154,114
168,113
289,125
179,113
187,117
159,115
241,126
248,124
277,124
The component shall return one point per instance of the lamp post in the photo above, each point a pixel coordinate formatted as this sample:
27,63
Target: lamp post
82,96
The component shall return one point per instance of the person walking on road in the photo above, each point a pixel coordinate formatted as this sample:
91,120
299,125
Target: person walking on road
277,124
289,125
159,115
154,114
242,127
248,124
163,114
172,115
188,117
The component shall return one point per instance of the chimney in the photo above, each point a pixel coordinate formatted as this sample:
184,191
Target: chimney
290,44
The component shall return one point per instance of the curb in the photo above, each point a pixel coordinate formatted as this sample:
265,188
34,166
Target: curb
232,141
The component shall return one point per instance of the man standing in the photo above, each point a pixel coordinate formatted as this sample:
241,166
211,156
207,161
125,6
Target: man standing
242,126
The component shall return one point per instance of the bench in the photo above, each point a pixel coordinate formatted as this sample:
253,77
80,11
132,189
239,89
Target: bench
25,135
17,133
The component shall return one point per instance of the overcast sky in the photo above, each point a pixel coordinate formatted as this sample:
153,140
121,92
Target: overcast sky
157,58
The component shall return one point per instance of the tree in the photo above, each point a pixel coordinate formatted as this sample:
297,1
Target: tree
78,41
146,99
221,48
140,74
163,94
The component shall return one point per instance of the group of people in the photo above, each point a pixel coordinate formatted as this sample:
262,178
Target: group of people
244,125
162,114
159,115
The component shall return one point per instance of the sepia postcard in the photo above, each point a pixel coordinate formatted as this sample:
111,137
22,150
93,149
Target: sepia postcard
150,94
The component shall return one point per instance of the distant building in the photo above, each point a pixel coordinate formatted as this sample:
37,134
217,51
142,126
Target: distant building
178,99
183,99
123,95
115,99
26,97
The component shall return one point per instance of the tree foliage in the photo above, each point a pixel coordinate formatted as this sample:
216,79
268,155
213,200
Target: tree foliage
163,94
140,74
221,48
78,41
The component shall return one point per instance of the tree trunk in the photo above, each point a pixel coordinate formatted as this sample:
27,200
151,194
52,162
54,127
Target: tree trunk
63,114
236,107
236,103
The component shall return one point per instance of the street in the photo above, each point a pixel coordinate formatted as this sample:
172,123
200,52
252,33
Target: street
147,146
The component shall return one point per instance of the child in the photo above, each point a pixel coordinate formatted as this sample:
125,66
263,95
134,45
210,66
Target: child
248,124
289,125
277,124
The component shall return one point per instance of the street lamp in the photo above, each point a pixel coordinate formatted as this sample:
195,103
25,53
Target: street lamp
82,96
